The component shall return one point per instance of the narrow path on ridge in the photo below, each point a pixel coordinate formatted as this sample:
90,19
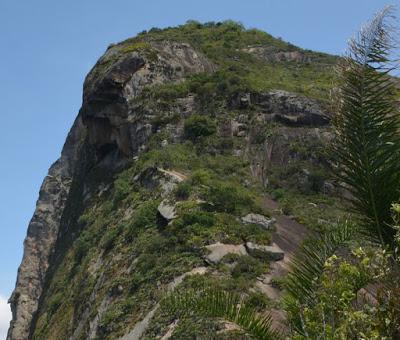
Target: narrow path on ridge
289,235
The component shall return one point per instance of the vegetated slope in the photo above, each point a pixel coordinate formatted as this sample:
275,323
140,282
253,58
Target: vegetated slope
181,134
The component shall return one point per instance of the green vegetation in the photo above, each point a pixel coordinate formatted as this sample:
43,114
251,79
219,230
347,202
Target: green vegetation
226,44
224,305
197,127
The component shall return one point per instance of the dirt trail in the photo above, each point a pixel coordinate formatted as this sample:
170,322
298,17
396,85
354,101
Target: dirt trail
289,236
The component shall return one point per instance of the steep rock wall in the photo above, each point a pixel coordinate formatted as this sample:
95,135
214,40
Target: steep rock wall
107,125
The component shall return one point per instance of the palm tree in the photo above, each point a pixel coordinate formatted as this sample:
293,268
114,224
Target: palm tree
367,140
306,270
213,303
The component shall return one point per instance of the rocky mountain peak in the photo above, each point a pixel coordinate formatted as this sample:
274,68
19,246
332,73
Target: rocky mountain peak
193,99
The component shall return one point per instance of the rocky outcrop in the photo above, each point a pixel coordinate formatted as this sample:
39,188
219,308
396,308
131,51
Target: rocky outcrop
272,55
119,77
272,252
259,220
167,211
290,108
285,107
218,250
42,234
108,124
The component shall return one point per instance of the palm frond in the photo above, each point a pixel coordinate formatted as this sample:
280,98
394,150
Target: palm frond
367,140
307,268
216,303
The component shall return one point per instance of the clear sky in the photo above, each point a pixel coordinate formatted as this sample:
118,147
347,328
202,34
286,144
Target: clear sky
47,47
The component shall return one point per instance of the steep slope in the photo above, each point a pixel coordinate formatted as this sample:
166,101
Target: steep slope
181,133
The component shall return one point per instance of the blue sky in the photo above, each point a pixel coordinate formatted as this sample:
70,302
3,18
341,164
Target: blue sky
47,48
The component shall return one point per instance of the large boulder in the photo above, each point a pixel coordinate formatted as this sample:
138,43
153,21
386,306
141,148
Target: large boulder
272,252
219,250
167,210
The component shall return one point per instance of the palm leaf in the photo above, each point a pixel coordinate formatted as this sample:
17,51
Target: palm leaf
216,303
367,144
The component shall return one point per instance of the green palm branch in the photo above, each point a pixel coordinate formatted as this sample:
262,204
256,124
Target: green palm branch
215,303
306,270
367,140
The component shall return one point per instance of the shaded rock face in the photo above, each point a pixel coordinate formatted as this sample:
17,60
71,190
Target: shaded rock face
291,109
107,108
285,107
272,55
106,133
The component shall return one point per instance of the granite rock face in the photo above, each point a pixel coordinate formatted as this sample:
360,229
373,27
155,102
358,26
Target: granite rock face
107,109
106,132
42,234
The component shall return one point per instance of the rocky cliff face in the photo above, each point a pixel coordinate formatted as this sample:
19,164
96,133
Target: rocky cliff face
108,124
42,234
180,99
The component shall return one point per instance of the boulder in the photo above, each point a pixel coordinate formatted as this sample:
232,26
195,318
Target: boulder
167,211
219,250
272,252
258,219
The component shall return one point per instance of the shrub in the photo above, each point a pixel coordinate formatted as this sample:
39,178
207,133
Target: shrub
278,194
229,198
110,238
201,177
122,188
197,127
248,267
201,218
257,300
82,247
182,191
145,216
